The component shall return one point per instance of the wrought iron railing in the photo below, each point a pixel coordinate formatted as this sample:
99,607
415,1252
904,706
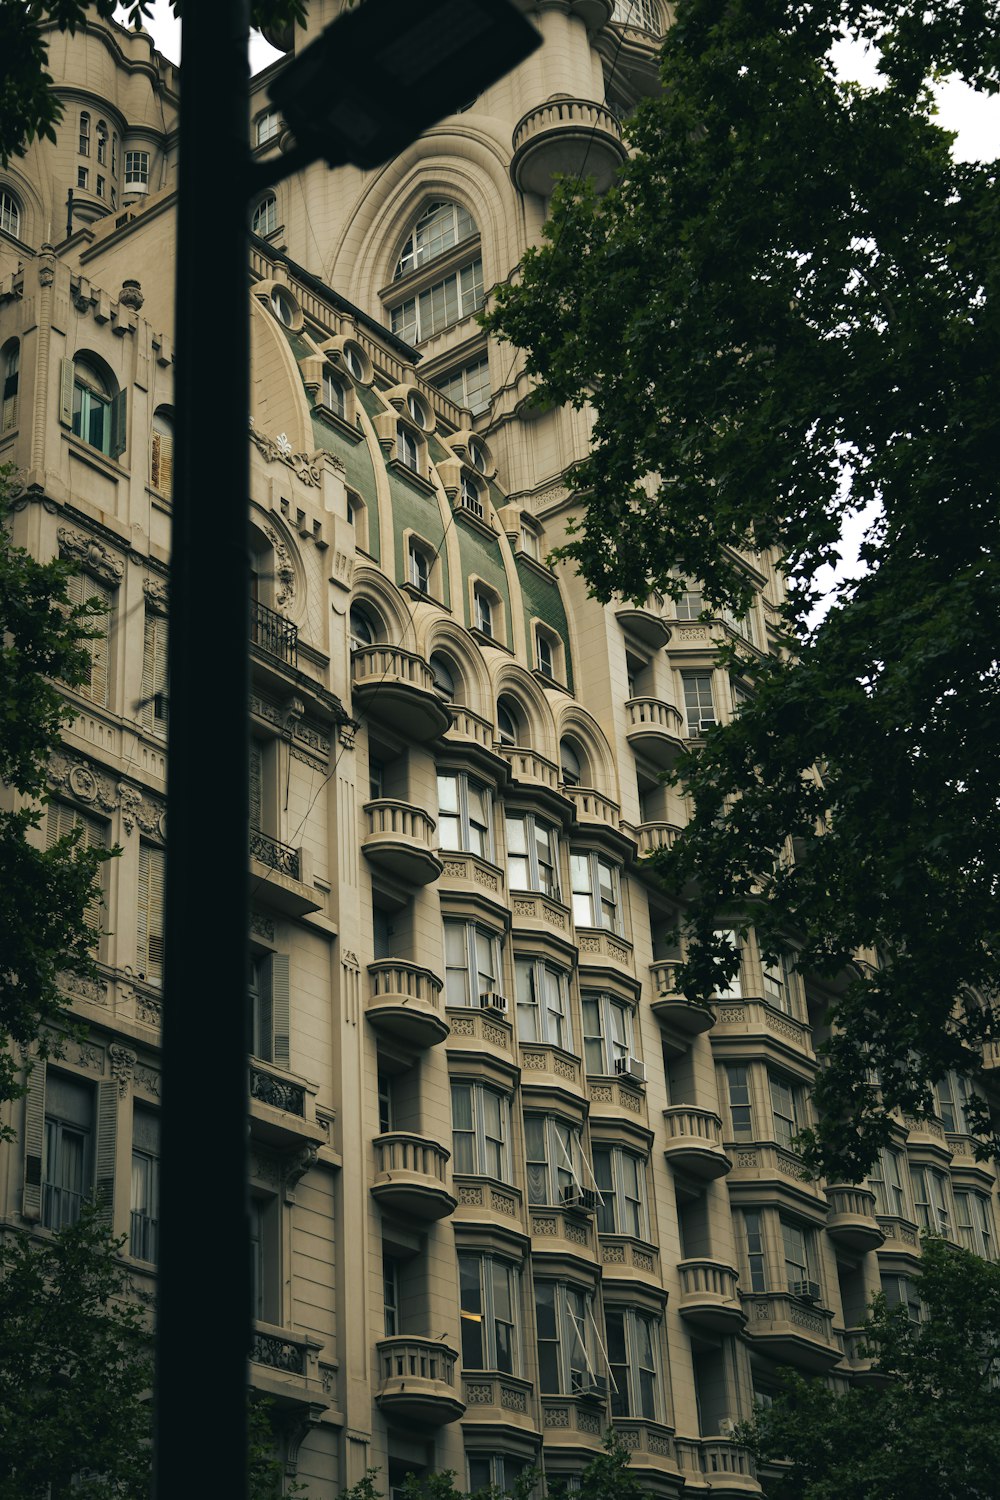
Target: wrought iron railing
277,1353
274,634
268,1088
274,853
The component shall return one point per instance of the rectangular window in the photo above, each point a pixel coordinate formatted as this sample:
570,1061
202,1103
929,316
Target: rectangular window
136,171
484,612
784,1110
82,589
753,1249
732,989
777,984
886,1181
390,1297
68,1159
497,1472
565,1345
532,855
444,303
633,1343
800,1257
542,1003
607,1033
149,921
974,1220
464,814
468,387
489,1295
900,1292
61,819
953,1094
690,605
930,1196
472,959
153,702
82,177
554,1159
144,1226
740,1107
480,1131
265,1261
407,448
621,1181
419,568
698,703
268,125
596,896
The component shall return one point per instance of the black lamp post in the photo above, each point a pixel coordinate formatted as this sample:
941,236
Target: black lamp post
367,87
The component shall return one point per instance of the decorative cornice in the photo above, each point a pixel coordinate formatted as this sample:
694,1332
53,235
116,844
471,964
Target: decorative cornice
279,450
74,777
92,555
157,592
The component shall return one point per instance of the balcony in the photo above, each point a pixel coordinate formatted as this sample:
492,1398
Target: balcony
694,1142
410,1176
709,1296
274,635
574,1421
416,1382
404,1001
729,1468
282,1108
398,841
652,837
497,1400
397,686
647,622
655,731
671,1008
475,735
284,874
285,1364
852,1220
275,855
558,136
792,1329
531,772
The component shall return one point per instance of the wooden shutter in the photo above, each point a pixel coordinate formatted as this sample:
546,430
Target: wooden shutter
66,392
107,1143
62,819
161,468
154,673
8,419
281,1010
118,413
149,923
256,784
34,1140
79,588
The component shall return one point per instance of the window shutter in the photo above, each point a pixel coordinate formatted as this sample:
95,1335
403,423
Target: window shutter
256,783
149,925
66,392
265,1009
94,837
118,411
154,673
107,1140
280,1010
34,1138
79,588
161,472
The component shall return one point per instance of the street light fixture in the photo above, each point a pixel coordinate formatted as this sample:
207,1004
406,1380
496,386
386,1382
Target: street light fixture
362,92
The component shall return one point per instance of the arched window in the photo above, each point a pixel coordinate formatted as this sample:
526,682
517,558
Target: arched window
161,463
9,366
10,213
446,678
265,216
509,722
571,764
641,13
363,631
334,397
267,127
91,405
440,225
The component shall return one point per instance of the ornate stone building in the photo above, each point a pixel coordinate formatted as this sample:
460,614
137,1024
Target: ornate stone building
507,1186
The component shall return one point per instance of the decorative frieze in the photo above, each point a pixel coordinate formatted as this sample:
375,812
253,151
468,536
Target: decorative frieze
123,1062
304,466
92,555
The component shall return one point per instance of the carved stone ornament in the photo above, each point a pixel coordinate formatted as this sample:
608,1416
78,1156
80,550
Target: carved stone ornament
284,571
122,1065
92,555
279,450
157,593
147,1079
139,808
83,782
298,1165
131,294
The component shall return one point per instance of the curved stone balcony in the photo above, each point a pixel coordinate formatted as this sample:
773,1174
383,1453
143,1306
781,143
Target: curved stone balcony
792,1330
655,730
410,1176
398,841
851,1220
652,837
647,621
404,1001
398,686
416,1383
572,136
694,1142
671,1007
709,1297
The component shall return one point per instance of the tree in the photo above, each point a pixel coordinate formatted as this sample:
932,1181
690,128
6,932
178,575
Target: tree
44,892
28,107
786,310
75,1369
930,1425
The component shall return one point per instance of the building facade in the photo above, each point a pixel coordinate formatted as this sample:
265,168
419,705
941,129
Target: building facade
508,1187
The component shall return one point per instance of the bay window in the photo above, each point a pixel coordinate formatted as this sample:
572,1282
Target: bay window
554,1159
740,1105
621,1180
564,1319
886,1180
542,1003
464,808
480,1118
755,1262
785,1110
974,1220
488,1288
472,962
532,855
953,1094
596,897
607,1033
799,1248
930,1196
633,1339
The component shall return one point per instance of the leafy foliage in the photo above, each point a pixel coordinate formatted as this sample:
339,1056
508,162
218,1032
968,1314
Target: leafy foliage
28,107
44,892
608,1476
784,311
932,1426
75,1369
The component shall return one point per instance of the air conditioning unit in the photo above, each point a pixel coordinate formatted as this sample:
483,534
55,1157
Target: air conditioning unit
807,1290
579,1197
493,1000
590,1385
631,1067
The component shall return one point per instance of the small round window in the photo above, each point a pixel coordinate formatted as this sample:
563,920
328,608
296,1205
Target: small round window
477,455
355,361
283,307
416,409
